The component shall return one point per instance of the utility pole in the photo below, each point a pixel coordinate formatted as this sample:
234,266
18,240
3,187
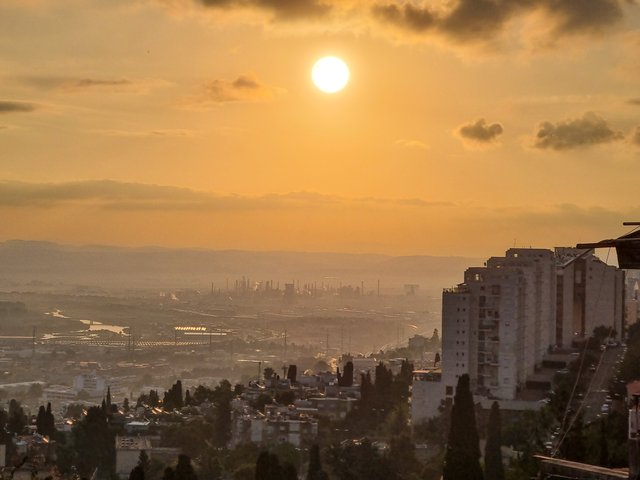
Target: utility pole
284,355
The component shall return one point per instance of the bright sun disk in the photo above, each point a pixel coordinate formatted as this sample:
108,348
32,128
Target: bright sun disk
330,74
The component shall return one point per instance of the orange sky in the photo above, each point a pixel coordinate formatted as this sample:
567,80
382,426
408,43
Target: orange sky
467,127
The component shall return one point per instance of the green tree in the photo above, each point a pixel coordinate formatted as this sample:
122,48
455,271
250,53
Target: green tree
462,457
94,443
223,394
144,462
268,467
604,447
137,473
17,420
292,373
574,445
315,471
184,470
402,456
289,472
493,467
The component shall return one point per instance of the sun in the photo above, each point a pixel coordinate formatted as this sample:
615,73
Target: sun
330,74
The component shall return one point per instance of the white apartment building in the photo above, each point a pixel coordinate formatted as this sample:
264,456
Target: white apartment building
500,322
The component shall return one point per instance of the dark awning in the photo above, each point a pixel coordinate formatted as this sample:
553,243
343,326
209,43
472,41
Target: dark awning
627,247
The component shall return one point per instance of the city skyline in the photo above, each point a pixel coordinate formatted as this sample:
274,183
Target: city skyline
463,130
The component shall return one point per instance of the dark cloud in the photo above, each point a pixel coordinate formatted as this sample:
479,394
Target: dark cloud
86,84
636,136
9,106
284,9
587,131
136,196
480,131
245,88
483,20
94,82
634,101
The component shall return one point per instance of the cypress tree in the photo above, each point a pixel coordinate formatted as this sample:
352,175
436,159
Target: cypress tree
292,373
493,467
289,472
315,471
462,456
144,462
184,470
40,420
137,473
108,402
268,467
348,374
178,395
49,422
574,445
604,447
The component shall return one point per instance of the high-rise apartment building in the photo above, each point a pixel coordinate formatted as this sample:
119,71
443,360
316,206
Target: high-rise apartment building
500,322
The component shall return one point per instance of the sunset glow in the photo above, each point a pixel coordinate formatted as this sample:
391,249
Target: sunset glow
210,124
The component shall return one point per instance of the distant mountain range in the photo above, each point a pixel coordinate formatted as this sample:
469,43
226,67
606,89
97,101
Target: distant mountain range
44,263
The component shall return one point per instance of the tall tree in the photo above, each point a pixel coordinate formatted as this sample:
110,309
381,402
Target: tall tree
144,462
94,443
137,473
222,396
17,419
292,373
348,374
493,467
184,470
49,422
40,420
289,472
268,467
315,471
462,456
604,446
574,446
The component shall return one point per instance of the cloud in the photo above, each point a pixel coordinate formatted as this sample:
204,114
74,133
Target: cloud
88,84
408,143
587,131
634,101
480,133
282,9
245,88
635,139
110,194
483,20
168,132
9,106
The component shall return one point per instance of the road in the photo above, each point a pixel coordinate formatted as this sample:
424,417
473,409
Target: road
599,386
